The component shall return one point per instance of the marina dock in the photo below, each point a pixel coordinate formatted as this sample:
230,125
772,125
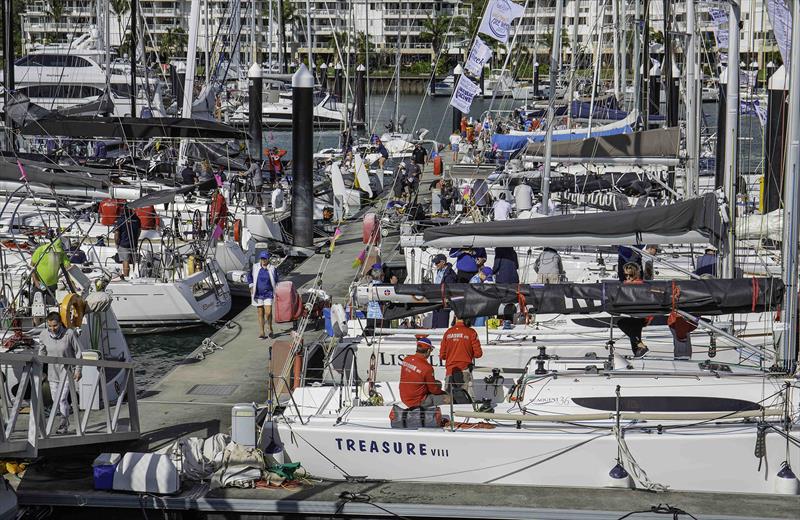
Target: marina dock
195,399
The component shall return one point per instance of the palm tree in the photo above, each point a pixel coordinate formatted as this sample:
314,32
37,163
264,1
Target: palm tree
434,31
120,7
55,10
173,43
466,28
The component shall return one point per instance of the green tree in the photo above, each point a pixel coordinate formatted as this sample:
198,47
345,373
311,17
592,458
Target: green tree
173,43
120,8
434,31
467,27
17,6
55,10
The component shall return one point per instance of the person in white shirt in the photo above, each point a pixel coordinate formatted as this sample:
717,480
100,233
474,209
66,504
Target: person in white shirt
523,197
501,208
551,208
455,141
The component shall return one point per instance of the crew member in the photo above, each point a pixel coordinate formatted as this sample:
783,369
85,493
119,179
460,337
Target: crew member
632,326
460,348
59,341
126,235
262,280
418,386
443,274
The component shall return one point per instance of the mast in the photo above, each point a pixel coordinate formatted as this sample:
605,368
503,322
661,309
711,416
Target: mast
366,63
692,105
8,51
551,109
207,42
637,58
616,46
191,57
397,80
732,133
309,42
107,41
253,34
573,65
134,45
284,57
791,226
269,37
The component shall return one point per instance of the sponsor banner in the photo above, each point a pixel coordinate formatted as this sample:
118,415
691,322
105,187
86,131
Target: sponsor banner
463,94
478,57
781,20
754,108
719,18
498,17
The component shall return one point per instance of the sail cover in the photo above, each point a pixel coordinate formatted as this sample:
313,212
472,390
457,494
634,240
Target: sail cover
699,297
132,128
691,221
661,143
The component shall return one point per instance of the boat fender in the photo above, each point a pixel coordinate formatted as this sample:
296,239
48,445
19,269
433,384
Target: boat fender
786,482
287,305
71,310
618,477
371,229
437,165
277,199
237,231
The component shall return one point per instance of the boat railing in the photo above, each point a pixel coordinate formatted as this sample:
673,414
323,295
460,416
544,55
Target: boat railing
96,414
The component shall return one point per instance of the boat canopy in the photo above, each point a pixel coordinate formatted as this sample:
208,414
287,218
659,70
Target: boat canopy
133,128
692,221
699,297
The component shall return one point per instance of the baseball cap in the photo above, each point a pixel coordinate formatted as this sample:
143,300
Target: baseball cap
377,266
424,343
439,258
264,255
487,271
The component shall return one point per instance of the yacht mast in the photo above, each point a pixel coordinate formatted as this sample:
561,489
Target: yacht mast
551,109
191,58
573,64
791,226
692,105
616,46
637,58
134,45
732,133
207,42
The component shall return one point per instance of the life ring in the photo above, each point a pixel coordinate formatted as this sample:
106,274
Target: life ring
237,231
72,309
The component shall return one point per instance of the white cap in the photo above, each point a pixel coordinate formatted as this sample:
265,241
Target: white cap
361,68
323,66
338,66
254,71
458,70
302,78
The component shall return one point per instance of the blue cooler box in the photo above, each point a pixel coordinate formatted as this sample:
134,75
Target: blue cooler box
103,469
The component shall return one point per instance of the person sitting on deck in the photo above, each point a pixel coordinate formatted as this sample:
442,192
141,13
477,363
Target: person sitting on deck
632,326
418,386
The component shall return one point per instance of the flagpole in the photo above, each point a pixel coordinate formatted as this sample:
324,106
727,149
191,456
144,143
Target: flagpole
551,109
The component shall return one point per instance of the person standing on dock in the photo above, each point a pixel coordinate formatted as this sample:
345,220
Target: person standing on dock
459,350
420,154
253,172
455,141
126,235
418,386
58,341
263,279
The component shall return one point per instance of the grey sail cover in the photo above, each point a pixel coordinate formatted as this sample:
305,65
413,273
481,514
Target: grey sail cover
691,221
660,143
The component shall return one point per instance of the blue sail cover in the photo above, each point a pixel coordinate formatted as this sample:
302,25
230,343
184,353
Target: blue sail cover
518,140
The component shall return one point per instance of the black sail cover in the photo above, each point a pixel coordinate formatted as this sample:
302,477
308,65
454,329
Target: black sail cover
699,297
692,221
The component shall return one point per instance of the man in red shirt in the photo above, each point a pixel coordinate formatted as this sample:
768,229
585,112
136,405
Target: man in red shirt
418,387
460,348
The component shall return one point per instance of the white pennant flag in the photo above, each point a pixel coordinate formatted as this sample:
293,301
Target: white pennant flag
478,57
781,20
498,17
463,94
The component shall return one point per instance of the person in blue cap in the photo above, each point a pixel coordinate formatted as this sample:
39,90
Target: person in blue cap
262,280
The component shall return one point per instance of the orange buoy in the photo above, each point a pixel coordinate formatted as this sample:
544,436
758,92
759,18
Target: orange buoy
237,231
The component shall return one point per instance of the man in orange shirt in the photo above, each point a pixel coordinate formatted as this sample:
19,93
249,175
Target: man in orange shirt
460,348
418,387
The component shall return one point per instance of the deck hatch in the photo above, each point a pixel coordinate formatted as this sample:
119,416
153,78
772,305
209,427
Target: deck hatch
219,390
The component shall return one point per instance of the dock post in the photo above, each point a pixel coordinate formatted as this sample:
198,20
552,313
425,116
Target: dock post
775,139
323,76
457,72
360,94
302,157
255,89
536,79
337,81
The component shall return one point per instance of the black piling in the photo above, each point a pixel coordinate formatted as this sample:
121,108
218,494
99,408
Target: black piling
337,81
361,95
303,157
535,79
654,91
775,140
255,90
719,155
323,76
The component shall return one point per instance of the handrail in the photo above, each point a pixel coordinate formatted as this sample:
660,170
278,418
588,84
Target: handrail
628,416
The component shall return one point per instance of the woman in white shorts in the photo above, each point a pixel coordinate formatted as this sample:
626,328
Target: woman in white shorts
263,279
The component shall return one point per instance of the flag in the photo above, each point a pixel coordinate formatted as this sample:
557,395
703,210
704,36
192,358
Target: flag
336,234
22,175
781,20
478,57
498,17
718,19
217,233
463,94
